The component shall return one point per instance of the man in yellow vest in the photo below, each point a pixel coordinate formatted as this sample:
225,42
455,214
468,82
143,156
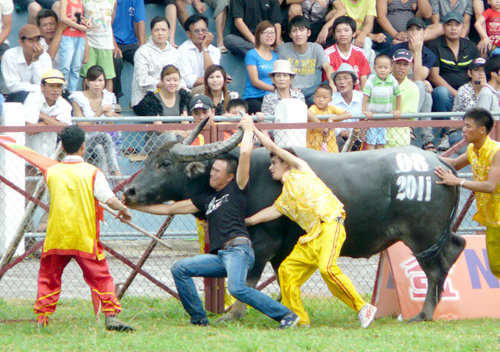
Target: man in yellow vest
306,200
75,189
484,157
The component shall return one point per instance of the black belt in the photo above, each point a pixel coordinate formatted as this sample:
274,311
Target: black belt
237,241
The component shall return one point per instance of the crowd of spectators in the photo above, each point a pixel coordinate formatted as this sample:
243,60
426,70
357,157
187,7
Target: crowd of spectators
432,55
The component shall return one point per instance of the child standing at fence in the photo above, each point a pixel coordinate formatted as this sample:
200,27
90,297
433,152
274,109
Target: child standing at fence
72,45
379,93
100,38
324,139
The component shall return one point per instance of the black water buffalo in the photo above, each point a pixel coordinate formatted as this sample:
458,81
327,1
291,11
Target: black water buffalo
389,195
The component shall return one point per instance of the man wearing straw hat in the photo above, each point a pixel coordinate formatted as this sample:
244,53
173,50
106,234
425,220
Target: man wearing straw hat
76,188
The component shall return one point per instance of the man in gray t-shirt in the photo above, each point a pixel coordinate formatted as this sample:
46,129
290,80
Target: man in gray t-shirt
305,58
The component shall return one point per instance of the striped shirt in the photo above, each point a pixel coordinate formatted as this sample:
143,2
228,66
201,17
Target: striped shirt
381,94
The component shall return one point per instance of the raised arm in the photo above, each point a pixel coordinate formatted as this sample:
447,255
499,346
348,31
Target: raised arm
243,171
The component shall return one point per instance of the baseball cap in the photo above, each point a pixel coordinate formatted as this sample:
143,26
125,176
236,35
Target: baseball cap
402,54
200,101
29,31
477,63
415,21
345,68
53,76
452,16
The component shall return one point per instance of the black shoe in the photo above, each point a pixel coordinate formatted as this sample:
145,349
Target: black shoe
203,322
114,324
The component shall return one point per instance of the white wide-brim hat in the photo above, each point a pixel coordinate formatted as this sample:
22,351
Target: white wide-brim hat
281,66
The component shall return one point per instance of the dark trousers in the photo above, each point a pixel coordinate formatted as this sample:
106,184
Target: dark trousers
128,51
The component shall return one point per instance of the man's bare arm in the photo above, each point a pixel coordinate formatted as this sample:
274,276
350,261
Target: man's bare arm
181,207
267,214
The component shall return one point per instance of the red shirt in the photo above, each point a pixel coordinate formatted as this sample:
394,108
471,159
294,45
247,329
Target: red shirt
493,25
356,59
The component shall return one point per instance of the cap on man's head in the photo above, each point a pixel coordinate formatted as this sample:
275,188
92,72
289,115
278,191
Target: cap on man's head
29,31
402,54
477,63
415,21
345,68
53,76
200,101
452,16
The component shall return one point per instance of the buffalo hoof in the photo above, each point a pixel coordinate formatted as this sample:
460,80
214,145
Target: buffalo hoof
419,318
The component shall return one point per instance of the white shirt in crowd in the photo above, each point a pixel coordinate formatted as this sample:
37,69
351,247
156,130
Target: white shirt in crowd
6,8
57,58
355,107
192,59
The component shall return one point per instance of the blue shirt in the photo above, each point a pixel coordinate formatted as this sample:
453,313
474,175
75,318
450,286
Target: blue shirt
128,12
252,58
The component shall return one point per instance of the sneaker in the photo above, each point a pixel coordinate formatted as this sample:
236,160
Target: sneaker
42,321
366,315
289,321
444,144
114,324
118,108
203,322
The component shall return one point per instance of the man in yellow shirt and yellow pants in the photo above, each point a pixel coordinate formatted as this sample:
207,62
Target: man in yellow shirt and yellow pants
306,200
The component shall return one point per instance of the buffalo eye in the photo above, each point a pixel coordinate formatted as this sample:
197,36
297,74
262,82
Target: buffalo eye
162,164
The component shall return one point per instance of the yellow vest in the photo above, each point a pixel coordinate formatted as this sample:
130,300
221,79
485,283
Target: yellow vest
73,226
309,202
488,204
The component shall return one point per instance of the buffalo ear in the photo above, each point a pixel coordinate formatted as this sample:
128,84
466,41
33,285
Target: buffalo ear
195,168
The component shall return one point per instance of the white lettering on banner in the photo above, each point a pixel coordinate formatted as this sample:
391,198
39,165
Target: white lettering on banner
418,282
413,187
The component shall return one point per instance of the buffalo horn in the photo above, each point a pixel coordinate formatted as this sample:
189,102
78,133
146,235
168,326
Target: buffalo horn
189,139
204,152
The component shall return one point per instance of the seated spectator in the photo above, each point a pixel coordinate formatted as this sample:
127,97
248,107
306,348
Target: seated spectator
344,51
320,139
170,15
453,57
363,12
259,63
215,82
129,30
247,14
489,97
236,107
149,60
487,26
441,9
393,17
197,52
402,62
220,14
24,65
35,6
51,30
304,57
96,101
6,9
320,14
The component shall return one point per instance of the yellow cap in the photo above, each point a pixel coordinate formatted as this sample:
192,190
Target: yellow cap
53,76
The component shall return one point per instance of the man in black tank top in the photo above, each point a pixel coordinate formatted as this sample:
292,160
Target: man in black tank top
231,254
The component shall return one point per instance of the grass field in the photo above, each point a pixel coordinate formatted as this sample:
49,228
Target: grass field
162,325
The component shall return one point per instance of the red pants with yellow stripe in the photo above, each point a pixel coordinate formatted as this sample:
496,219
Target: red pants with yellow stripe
95,273
320,253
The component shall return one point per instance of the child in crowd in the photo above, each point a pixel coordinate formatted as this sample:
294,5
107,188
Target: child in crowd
72,46
488,28
235,107
489,96
379,93
324,139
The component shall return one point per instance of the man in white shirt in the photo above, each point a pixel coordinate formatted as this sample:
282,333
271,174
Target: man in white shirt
6,9
197,52
23,66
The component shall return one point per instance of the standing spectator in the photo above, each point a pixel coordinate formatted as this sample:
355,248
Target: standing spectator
304,57
35,6
220,14
129,30
380,92
441,9
75,189
484,158
488,28
489,97
320,14
51,30
454,55
72,44
197,52
247,14
100,38
259,62
96,101
150,59
344,51
6,9
23,66
215,82
402,61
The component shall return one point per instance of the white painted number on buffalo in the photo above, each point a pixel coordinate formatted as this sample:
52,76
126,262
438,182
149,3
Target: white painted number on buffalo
412,186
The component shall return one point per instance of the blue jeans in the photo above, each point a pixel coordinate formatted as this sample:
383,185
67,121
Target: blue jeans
442,100
233,263
71,52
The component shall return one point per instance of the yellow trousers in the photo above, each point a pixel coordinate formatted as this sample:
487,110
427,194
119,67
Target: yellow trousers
320,253
493,249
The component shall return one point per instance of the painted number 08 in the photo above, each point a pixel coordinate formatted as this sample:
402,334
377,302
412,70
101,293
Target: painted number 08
413,187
